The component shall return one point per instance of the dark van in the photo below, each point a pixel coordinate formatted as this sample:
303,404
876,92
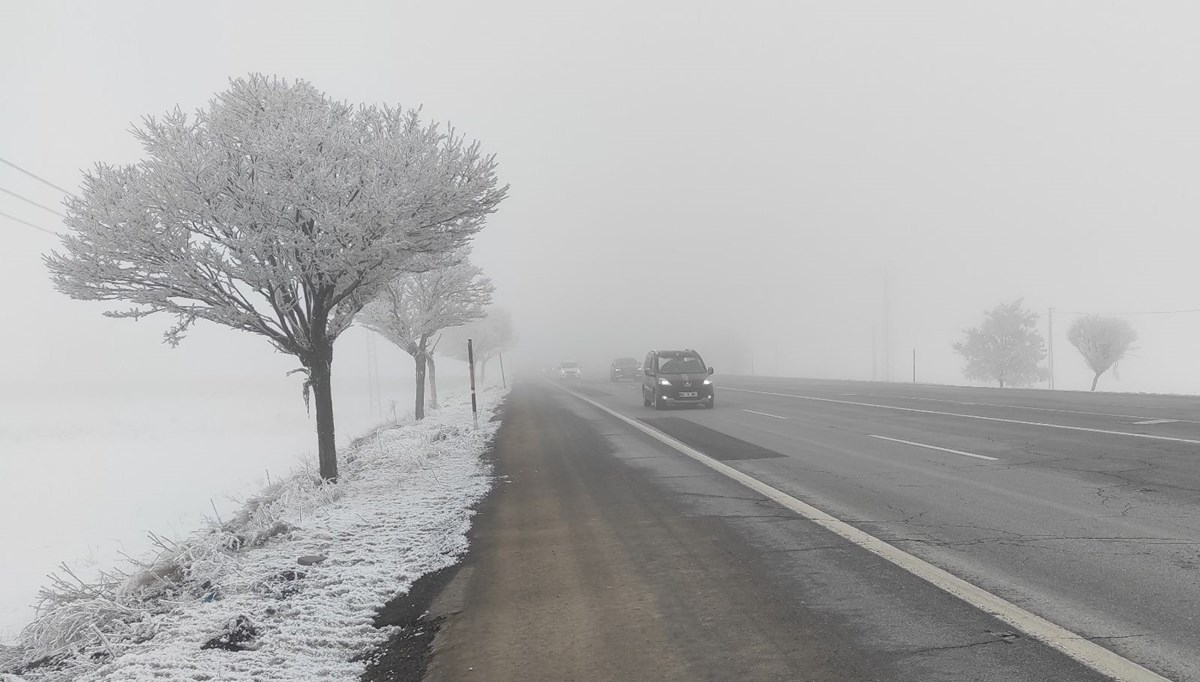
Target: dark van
676,377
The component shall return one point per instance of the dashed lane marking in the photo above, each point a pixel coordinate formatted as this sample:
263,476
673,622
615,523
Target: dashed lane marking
934,447
765,414
1109,432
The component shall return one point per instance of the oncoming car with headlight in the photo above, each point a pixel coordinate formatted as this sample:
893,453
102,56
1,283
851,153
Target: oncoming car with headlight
676,377
624,368
569,371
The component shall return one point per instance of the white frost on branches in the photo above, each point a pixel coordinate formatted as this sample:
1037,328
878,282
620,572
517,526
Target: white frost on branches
275,211
1006,348
1103,342
489,335
414,307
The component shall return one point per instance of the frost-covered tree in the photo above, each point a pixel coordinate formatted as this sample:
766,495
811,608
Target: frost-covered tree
1006,348
413,308
489,335
1102,341
276,211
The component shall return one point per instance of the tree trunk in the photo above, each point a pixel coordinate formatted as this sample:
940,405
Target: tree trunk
419,409
1095,380
433,403
1001,380
320,376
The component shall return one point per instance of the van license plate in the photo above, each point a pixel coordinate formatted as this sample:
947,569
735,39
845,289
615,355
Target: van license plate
689,394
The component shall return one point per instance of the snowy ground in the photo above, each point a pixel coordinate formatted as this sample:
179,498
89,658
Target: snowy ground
401,509
87,469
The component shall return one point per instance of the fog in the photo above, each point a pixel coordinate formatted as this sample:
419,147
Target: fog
809,189
762,181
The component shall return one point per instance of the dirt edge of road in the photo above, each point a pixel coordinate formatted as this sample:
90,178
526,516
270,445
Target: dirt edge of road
420,612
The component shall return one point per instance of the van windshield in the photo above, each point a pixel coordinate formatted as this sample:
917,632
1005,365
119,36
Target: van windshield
688,364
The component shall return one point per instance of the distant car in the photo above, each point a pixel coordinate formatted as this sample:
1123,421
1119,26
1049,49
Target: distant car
624,368
569,370
676,377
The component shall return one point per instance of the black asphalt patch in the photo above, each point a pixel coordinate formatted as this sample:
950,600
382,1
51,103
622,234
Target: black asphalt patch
712,443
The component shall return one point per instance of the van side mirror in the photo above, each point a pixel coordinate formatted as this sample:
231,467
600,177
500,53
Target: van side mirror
710,370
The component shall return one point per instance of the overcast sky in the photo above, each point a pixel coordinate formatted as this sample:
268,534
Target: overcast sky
751,179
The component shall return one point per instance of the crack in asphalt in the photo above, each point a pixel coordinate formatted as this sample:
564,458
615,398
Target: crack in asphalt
928,650
1105,498
723,496
754,516
844,545
1001,536
1040,542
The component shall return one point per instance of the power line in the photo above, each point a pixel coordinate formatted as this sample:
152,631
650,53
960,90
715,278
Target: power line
35,177
1139,312
31,201
29,224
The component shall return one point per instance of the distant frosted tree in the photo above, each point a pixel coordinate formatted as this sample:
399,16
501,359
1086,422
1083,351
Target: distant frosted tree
488,335
1006,348
275,211
1102,341
413,308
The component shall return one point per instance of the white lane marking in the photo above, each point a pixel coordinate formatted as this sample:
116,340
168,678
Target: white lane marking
1016,407
934,447
765,414
1157,421
1076,646
973,416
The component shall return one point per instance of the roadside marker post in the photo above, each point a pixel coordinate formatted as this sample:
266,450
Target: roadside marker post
503,381
471,364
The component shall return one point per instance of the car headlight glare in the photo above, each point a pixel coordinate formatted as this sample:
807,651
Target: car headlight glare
708,382
664,382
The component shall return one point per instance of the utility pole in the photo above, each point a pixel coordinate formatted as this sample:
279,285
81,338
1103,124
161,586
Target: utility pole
874,357
1050,318
887,327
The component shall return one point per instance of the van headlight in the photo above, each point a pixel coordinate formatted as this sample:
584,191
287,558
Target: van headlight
663,382
708,382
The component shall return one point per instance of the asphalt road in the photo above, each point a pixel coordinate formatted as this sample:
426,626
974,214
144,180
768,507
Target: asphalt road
1081,508
605,555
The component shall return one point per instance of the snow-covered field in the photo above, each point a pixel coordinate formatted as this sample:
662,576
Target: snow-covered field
87,470
400,510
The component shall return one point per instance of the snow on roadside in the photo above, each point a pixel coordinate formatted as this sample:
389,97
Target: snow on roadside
401,509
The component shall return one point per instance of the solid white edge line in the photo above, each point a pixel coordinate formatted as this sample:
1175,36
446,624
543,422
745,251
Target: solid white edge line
970,416
934,447
765,414
1075,646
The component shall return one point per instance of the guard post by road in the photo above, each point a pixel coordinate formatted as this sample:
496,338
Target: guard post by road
471,364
